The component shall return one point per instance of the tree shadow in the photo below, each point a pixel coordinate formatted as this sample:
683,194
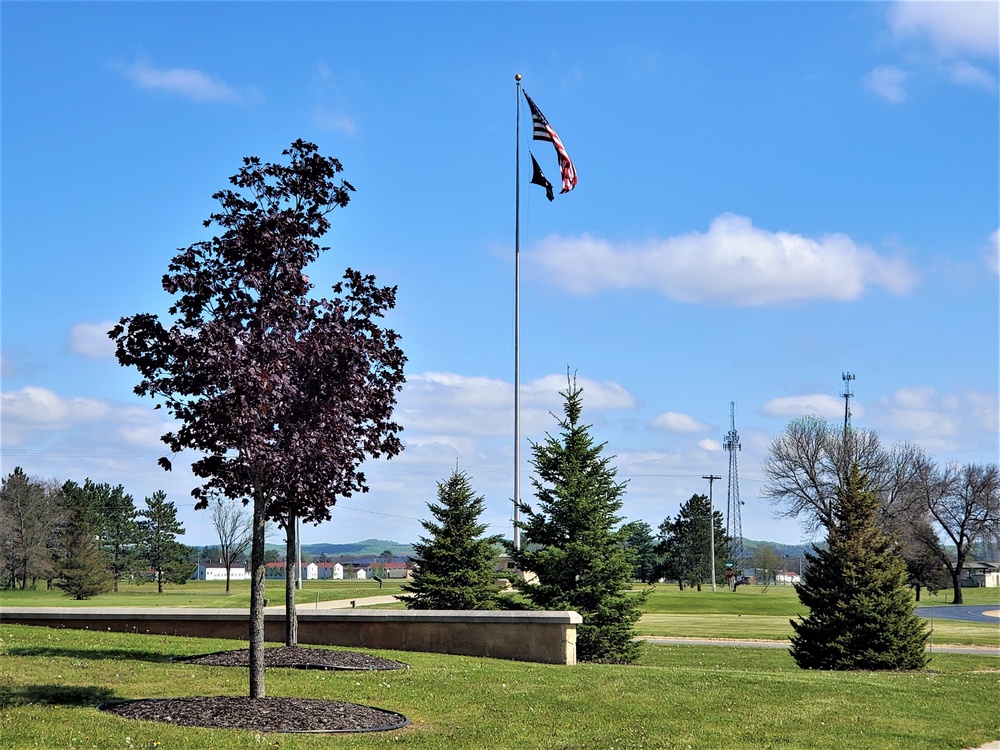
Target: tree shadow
54,695
123,654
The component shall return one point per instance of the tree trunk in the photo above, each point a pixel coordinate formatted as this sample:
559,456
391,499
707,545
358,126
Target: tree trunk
956,577
291,567
227,579
257,599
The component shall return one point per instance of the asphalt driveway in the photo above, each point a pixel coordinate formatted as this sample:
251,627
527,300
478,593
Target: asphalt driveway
979,613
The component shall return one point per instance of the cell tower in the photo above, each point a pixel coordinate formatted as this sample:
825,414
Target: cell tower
847,395
734,522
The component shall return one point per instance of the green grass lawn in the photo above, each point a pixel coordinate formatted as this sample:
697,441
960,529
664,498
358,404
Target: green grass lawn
750,613
209,594
753,613
677,697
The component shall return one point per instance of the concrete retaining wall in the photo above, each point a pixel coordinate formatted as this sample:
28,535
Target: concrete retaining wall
547,637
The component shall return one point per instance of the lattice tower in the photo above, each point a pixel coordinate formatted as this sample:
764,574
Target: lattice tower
847,395
734,521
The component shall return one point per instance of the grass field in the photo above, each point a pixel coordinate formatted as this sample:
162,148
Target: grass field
209,594
677,697
750,612
755,614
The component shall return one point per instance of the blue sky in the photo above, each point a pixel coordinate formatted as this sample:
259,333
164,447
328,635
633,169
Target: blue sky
770,194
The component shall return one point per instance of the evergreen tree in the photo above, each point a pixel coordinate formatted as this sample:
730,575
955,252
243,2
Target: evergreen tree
158,531
83,570
860,609
639,538
111,514
572,543
454,565
685,547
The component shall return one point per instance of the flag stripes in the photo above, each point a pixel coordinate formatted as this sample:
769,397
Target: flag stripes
545,132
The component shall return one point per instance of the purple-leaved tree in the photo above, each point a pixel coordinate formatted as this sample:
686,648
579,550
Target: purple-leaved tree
284,395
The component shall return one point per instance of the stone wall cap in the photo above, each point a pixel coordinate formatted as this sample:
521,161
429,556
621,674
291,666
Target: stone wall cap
385,615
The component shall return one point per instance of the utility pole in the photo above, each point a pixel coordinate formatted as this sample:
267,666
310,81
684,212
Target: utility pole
711,523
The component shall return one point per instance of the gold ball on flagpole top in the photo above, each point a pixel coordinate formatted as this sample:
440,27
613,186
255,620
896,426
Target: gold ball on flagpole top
517,77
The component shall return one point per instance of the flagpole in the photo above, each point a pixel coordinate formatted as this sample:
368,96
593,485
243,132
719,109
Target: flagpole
517,319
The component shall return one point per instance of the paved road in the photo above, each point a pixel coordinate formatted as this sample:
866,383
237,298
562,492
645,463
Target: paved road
980,613
303,604
979,650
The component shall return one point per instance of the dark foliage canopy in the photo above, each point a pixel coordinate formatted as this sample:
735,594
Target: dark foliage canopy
455,564
284,395
860,610
573,542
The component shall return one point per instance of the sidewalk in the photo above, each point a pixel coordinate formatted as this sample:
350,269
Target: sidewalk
302,605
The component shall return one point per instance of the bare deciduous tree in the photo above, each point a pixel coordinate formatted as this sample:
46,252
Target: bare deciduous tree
812,459
31,519
233,522
964,502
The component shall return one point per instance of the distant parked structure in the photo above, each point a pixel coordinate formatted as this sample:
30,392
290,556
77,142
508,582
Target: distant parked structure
340,571
216,572
982,575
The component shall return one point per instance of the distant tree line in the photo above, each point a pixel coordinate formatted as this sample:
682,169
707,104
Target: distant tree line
936,514
86,539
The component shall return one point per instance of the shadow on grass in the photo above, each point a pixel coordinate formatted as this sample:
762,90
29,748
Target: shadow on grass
54,695
123,654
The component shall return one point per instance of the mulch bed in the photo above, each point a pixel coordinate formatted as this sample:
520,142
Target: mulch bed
271,714
297,657
260,714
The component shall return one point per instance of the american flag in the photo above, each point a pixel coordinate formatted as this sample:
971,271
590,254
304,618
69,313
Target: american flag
545,132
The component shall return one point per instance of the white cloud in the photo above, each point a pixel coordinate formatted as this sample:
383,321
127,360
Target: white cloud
992,253
325,118
734,262
439,403
8,368
818,404
951,28
187,82
967,74
710,445
435,403
544,392
887,82
673,421
33,410
91,340
938,421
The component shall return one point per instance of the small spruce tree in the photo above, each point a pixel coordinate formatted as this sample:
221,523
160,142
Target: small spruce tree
860,608
455,565
84,570
158,545
573,543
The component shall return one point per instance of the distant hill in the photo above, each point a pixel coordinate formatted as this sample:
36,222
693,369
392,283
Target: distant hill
364,548
752,546
375,547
